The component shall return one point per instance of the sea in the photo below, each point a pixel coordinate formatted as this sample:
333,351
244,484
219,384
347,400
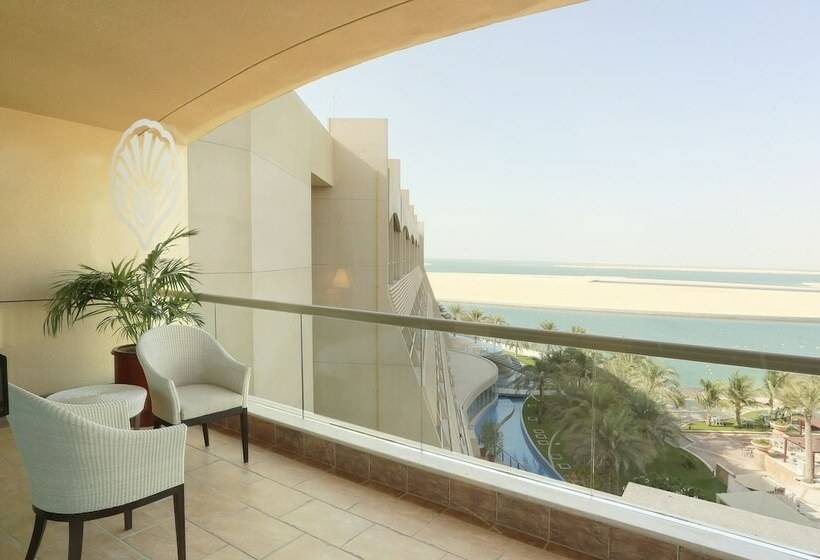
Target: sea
783,336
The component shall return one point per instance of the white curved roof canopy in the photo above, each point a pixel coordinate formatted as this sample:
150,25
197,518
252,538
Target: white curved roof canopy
195,64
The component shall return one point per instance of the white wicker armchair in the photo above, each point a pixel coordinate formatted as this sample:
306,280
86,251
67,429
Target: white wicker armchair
192,379
84,462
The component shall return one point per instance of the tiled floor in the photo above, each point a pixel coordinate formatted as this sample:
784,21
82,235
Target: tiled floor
275,508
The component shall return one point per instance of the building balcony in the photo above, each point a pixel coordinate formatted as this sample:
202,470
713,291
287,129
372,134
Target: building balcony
299,497
365,446
355,454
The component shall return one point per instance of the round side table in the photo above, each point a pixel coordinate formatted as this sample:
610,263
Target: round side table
115,392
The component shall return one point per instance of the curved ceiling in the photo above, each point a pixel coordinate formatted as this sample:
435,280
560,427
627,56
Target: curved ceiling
195,64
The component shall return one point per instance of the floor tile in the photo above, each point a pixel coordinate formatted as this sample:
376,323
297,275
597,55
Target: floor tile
229,448
271,497
224,476
159,542
400,515
335,490
326,522
202,500
250,531
520,551
380,542
307,547
232,512
10,549
161,512
17,517
463,539
195,458
97,544
285,470
229,553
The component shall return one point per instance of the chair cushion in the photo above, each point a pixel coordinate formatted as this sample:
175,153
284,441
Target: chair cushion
200,399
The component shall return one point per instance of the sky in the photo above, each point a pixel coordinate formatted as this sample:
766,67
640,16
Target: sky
674,133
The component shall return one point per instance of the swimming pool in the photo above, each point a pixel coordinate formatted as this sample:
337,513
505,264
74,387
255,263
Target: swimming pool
516,441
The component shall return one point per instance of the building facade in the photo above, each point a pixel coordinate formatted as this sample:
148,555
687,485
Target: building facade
293,211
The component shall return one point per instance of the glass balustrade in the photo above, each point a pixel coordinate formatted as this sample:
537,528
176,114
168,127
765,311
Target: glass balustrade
678,437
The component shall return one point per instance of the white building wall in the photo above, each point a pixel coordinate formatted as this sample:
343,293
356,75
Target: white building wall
292,211
250,181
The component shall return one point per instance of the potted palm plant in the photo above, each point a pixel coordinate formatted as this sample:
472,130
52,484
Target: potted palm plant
129,300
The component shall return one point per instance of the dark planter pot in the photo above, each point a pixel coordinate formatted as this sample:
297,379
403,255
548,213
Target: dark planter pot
127,370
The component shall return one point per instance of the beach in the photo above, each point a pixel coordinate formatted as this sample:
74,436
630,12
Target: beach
630,295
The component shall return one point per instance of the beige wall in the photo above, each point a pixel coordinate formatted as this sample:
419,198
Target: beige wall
363,373
292,211
250,190
56,213
346,216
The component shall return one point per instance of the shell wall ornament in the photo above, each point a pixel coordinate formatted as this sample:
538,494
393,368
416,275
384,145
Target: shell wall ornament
145,178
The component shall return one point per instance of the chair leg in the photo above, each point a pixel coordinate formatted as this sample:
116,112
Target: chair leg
243,417
36,535
75,539
179,521
205,435
128,515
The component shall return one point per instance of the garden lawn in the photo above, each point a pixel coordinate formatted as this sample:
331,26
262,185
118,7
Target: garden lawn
525,360
672,463
729,427
679,464
752,416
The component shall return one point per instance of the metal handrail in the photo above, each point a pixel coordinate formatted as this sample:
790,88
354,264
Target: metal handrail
696,353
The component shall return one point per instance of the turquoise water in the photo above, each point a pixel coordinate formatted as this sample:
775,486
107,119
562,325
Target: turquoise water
778,336
515,440
783,337
793,279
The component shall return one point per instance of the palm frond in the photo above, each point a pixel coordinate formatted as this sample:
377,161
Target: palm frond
131,298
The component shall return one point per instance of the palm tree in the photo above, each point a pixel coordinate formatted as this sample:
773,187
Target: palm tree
599,431
740,393
660,383
653,420
802,393
455,310
495,320
491,438
519,345
625,366
546,325
537,375
620,446
474,316
709,397
773,383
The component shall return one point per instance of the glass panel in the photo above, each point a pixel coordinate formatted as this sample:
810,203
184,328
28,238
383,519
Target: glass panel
628,427
503,396
272,343
676,437
369,376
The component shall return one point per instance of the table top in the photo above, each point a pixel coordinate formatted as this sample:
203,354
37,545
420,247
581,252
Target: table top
133,395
